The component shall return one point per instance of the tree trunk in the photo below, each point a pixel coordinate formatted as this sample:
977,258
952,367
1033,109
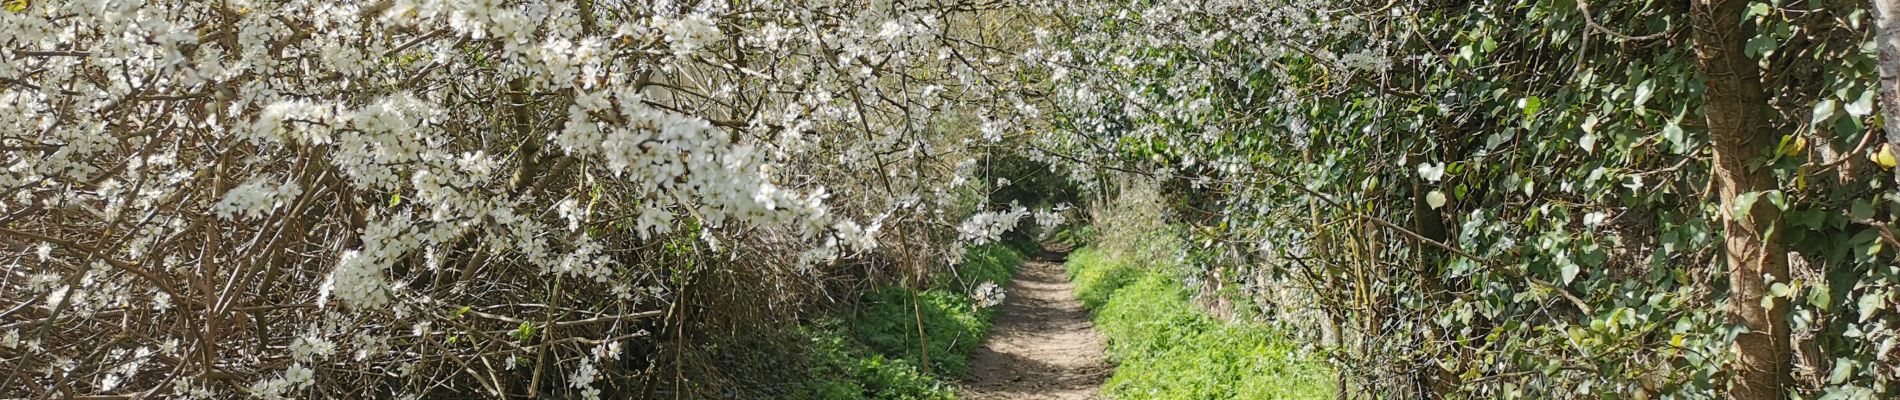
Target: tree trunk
1331,338
1887,37
1738,113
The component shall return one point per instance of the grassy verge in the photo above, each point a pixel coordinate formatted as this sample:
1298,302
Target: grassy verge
875,353
1165,348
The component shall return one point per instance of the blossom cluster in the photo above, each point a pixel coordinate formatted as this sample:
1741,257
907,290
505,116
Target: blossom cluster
988,226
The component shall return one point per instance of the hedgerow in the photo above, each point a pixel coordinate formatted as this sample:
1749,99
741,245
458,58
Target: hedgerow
1518,199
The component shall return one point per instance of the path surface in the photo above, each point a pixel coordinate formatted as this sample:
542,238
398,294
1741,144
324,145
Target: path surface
1042,346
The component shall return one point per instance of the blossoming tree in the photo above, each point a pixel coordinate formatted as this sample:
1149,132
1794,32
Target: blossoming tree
344,199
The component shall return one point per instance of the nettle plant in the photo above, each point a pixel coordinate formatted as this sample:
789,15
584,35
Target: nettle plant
1518,198
340,199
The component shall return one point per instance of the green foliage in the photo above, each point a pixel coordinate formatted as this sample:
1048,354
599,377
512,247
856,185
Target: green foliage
874,353
1074,235
838,368
1575,168
1167,349
1096,276
953,321
954,325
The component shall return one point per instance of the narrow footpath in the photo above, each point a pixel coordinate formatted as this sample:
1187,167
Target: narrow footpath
1043,345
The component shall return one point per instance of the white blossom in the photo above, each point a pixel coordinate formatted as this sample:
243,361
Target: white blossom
987,294
691,33
988,226
255,198
311,348
358,281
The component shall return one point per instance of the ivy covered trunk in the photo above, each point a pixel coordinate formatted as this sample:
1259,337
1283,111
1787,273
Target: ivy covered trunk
1739,128
1887,39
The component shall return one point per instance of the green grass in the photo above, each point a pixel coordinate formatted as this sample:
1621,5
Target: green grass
874,353
1167,349
1096,276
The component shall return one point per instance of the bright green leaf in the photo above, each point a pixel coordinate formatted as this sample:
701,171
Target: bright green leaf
1820,297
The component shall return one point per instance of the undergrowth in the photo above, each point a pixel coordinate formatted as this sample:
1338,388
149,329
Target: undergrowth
840,368
874,353
1167,349
952,319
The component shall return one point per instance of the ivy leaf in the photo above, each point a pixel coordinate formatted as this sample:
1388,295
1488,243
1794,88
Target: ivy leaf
1860,209
1779,289
1760,46
1756,10
1744,203
1820,297
1643,91
1436,199
1776,198
1570,271
1810,218
1589,140
1791,145
1823,112
1843,370
1492,141
1673,133
1863,105
1870,304
1530,105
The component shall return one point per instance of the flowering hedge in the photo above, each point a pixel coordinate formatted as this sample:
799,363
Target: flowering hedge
399,198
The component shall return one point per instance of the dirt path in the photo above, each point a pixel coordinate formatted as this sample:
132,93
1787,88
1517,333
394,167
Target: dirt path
1042,346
